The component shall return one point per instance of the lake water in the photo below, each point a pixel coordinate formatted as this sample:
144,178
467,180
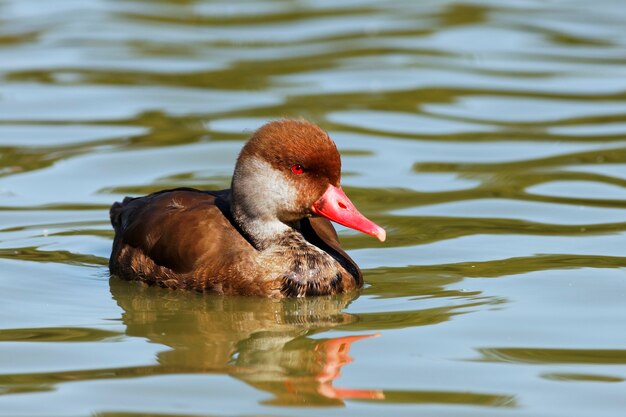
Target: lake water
487,137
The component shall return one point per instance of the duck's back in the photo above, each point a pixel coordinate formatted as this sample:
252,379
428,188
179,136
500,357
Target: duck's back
167,238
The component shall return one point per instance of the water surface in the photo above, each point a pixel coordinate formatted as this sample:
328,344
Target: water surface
487,137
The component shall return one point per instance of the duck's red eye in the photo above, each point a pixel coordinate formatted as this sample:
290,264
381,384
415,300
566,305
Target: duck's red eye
297,169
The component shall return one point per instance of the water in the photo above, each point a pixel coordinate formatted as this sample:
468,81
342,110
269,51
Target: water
487,137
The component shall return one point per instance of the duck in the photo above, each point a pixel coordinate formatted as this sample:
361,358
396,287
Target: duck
269,235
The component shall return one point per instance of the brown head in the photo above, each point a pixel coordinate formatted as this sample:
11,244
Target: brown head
289,170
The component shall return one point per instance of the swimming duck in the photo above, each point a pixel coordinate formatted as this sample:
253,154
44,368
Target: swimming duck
268,235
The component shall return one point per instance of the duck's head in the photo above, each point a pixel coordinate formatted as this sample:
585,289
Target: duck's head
289,170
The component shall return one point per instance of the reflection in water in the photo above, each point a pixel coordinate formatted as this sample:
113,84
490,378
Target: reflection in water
263,342
268,343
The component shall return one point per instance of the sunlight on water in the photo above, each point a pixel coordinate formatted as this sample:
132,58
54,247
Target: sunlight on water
487,137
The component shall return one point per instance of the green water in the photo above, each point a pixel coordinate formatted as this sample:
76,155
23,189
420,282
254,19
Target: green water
488,138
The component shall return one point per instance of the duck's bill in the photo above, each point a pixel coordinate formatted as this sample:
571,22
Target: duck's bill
335,205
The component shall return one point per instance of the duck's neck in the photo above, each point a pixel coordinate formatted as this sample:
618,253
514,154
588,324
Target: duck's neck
264,230
267,233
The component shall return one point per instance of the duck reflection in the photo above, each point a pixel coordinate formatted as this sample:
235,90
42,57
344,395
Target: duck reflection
265,343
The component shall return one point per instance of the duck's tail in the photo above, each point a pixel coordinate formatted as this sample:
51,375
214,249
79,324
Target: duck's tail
118,214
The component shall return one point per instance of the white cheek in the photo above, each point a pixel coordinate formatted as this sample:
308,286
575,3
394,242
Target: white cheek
268,187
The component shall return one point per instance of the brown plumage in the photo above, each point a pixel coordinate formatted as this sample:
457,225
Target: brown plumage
260,237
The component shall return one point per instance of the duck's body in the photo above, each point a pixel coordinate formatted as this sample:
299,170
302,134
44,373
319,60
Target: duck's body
257,238
203,249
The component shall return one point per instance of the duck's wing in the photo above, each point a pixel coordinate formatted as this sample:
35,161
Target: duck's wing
163,235
320,232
